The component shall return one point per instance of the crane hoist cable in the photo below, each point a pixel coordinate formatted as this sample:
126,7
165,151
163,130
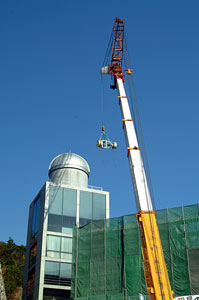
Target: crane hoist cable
104,142
102,99
106,58
139,131
108,50
136,116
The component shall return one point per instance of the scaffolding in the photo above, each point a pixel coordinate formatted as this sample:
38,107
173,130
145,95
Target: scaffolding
107,256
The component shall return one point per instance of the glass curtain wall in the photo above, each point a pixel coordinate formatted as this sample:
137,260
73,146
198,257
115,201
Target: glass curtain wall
57,273
59,247
62,209
92,207
61,218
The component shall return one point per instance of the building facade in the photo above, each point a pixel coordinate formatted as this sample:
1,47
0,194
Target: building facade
64,200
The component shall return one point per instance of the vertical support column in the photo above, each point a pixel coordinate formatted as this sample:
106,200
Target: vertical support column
45,197
78,206
76,275
107,206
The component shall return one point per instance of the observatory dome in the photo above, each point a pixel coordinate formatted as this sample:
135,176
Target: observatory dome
70,169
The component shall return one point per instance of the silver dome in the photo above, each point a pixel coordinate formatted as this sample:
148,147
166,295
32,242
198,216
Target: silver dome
69,168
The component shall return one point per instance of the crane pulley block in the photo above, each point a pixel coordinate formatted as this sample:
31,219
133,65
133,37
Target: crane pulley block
129,71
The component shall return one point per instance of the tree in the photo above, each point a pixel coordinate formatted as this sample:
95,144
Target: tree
12,258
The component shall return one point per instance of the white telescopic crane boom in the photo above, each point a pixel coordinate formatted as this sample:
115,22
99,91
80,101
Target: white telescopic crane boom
143,199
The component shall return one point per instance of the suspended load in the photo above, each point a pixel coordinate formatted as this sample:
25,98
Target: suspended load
104,142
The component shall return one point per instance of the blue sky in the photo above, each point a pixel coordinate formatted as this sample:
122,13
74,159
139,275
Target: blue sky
50,92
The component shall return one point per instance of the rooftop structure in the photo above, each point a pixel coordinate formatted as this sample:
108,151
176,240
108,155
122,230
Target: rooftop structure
70,169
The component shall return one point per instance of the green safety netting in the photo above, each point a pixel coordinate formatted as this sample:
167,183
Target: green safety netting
107,257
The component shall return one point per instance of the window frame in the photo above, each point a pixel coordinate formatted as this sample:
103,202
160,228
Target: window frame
35,216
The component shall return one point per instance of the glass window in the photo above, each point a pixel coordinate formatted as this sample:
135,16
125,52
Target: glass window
68,222
69,203
58,269
66,245
53,254
85,209
59,247
53,243
65,270
57,273
99,206
55,202
33,220
66,248
62,209
35,216
54,223
67,230
52,268
67,256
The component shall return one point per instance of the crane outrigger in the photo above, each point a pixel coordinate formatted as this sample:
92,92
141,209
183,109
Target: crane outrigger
155,270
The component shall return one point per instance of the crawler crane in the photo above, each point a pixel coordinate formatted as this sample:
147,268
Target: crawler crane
156,274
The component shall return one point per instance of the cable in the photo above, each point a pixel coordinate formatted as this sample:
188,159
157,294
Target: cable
139,132
139,127
102,98
108,50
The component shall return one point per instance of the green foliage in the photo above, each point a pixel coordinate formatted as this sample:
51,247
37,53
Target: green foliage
12,258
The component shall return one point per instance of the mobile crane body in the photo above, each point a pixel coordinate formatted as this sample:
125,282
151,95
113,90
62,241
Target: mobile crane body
156,274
